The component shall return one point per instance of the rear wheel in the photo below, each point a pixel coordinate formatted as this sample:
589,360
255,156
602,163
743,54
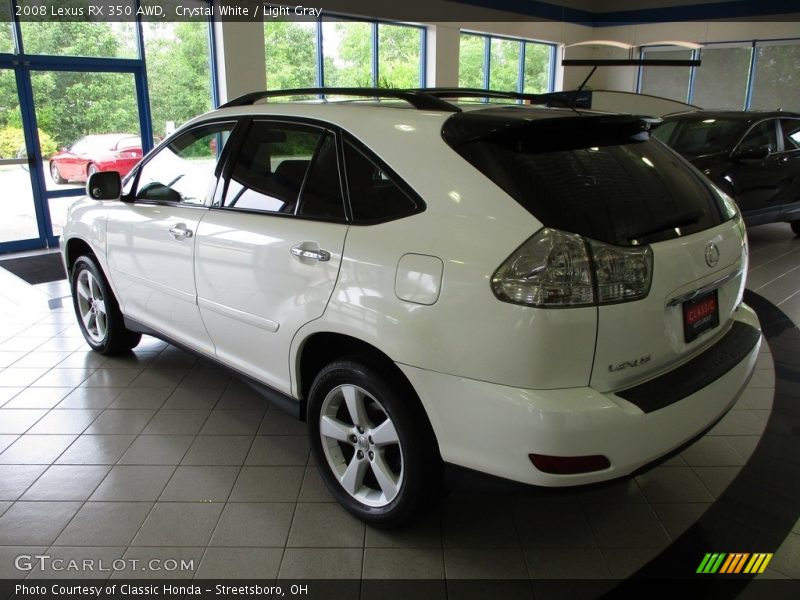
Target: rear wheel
795,225
91,170
373,443
97,310
56,174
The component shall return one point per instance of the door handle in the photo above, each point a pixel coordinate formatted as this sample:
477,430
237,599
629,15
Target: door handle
180,231
300,252
783,160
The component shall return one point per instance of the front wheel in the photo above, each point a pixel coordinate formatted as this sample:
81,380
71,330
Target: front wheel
373,443
97,310
795,225
91,170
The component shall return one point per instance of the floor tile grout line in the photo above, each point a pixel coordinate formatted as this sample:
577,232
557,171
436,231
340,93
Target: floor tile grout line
110,469
230,491
166,483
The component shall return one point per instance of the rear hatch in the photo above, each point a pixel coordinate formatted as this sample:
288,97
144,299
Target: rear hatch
641,212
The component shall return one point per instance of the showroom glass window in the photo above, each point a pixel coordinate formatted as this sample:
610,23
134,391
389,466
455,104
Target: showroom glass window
184,170
400,56
288,169
720,82
777,77
667,82
97,39
353,53
179,77
505,64
6,29
290,54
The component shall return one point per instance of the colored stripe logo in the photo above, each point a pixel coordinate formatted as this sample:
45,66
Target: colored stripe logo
734,563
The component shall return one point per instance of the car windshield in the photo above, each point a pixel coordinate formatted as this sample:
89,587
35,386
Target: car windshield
697,136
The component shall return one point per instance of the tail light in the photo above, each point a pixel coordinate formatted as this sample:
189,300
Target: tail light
558,269
128,154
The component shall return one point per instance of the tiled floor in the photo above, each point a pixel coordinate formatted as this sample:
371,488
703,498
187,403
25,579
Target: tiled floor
159,455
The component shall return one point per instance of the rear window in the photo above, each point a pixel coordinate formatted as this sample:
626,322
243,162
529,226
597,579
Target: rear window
601,177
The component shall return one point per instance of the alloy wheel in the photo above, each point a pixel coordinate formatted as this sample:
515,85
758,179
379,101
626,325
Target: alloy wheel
92,306
361,445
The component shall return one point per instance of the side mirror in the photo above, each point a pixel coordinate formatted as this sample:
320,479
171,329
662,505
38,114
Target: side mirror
104,185
753,153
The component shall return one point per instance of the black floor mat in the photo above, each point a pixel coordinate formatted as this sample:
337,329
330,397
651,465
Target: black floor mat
42,268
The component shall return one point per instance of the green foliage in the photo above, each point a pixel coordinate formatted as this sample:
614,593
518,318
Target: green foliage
178,72
290,54
12,143
504,66
398,56
71,104
348,62
470,61
537,68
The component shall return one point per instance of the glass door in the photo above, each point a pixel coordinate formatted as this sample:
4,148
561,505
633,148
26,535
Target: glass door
20,226
88,122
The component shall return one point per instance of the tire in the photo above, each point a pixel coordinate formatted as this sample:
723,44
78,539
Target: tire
97,310
795,225
91,170
385,482
56,174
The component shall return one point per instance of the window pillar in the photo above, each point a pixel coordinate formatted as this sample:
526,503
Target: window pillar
241,67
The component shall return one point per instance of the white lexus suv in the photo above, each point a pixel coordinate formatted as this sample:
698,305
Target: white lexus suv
544,295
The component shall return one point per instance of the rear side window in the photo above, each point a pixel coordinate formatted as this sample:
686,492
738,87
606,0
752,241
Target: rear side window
601,178
375,195
289,169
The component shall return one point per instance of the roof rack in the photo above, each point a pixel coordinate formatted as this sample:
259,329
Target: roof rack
445,92
419,99
565,99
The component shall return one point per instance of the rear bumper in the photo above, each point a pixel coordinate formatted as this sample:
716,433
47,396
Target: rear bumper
493,428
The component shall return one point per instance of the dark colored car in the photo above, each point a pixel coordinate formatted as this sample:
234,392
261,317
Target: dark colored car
105,152
752,156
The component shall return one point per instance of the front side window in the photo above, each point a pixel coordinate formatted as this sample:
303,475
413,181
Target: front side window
273,166
760,136
699,136
185,169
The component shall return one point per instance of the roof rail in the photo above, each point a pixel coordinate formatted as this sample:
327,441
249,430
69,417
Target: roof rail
445,92
419,99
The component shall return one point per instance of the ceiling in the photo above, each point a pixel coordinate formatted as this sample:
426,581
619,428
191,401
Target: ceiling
616,12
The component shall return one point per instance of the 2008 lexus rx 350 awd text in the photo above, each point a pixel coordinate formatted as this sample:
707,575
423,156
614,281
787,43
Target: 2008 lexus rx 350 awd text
543,295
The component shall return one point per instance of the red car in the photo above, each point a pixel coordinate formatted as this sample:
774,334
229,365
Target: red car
105,152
